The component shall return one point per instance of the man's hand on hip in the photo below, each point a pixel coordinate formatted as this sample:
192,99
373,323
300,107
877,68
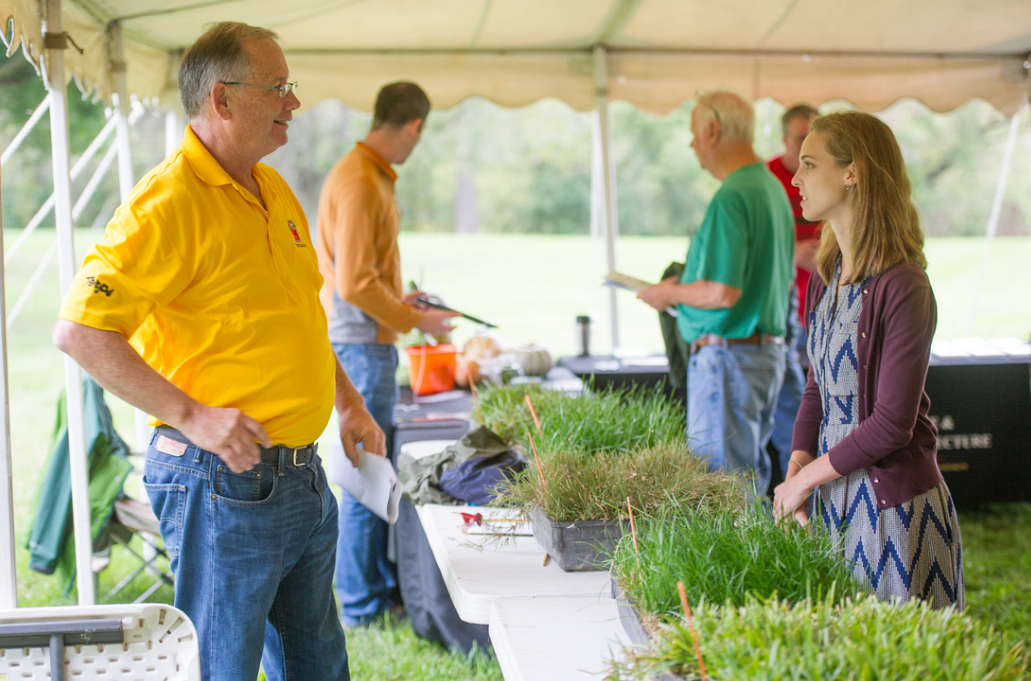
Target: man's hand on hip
358,427
229,433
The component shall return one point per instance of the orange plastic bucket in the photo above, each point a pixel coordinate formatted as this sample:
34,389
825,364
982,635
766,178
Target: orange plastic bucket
431,368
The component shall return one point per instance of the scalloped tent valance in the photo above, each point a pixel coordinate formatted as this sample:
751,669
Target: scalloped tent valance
515,52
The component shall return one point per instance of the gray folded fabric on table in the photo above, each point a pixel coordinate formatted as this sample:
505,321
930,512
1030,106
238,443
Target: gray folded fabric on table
420,478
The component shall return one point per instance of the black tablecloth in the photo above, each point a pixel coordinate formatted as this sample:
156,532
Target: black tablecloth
425,595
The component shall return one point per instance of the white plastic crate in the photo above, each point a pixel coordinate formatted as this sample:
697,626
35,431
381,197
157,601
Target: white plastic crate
160,645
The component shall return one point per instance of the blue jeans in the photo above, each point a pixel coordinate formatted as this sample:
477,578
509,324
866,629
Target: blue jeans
253,561
790,397
731,393
365,576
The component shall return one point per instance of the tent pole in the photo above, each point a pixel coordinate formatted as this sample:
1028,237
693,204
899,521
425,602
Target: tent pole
609,214
8,569
993,218
1027,140
67,266
173,131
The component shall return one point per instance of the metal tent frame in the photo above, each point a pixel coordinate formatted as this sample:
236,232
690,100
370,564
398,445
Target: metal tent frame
604,215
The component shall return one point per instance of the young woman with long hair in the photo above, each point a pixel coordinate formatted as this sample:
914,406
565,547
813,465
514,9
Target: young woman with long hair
863,441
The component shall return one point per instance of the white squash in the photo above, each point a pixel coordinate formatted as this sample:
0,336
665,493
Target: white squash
535,359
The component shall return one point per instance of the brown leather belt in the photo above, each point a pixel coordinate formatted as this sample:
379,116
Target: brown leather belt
755,339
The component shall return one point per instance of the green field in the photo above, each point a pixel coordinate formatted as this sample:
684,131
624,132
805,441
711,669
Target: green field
533,287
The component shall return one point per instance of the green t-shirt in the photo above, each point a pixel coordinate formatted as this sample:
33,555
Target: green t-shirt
746,241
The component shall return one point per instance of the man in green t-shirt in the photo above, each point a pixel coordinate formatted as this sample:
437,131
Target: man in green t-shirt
730,298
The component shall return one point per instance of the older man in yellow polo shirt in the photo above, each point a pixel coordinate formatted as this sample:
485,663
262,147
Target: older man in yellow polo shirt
201,307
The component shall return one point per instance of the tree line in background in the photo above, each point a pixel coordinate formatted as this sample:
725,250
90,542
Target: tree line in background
483,168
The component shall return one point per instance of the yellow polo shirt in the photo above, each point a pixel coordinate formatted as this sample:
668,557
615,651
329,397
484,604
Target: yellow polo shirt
218,294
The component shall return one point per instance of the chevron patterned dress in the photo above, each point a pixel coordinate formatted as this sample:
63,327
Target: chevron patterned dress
907,551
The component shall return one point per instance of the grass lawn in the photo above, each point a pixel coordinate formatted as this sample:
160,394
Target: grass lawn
532,287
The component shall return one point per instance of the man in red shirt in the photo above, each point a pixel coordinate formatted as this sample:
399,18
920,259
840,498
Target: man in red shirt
795,126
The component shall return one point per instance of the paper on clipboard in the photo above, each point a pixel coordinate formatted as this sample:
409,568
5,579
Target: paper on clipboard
625,281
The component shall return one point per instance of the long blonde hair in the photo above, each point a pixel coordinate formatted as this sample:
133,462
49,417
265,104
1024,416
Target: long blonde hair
885,229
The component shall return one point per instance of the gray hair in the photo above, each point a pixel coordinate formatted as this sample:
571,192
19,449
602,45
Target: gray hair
735,115
217,56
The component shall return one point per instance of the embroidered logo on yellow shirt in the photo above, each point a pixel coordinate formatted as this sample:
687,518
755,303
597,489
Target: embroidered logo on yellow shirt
169,446
297,237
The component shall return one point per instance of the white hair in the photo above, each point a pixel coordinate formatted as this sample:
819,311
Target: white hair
734,114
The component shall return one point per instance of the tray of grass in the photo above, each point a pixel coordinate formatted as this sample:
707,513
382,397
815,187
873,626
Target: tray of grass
828,638
602,421
578,501
724,557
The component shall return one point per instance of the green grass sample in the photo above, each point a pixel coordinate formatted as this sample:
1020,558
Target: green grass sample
602,421
816,640
660,481
724,557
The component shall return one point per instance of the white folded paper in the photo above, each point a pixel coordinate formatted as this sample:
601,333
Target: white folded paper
373,483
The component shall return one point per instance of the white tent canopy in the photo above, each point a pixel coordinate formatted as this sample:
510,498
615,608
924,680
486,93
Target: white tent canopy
654,54
515,52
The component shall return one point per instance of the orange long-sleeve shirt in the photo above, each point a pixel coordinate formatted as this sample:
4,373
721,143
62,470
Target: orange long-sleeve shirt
358,226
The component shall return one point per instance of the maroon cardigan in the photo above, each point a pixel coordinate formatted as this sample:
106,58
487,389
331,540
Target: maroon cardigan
894,441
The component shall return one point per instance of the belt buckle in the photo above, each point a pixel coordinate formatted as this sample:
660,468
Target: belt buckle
307,455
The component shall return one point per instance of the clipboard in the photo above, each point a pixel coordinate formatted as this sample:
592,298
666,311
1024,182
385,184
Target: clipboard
438,306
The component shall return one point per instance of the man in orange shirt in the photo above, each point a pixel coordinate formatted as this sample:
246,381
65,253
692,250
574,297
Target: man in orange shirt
359,222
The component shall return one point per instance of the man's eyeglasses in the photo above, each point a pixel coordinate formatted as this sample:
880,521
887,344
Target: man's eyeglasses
283,90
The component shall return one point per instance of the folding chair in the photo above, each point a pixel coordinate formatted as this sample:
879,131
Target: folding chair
130,642
132,517
115,517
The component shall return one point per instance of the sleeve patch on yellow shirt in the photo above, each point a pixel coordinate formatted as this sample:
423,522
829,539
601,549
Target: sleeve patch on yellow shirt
99,286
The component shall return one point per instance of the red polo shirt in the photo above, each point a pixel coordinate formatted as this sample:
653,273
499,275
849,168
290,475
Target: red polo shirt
804,229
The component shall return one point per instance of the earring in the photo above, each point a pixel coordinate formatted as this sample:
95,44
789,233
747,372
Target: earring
847,186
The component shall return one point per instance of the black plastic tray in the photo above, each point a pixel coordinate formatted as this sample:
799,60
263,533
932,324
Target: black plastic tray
581,546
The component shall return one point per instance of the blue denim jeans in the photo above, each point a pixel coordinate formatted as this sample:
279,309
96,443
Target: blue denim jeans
790,397
731,394
253,561
365,576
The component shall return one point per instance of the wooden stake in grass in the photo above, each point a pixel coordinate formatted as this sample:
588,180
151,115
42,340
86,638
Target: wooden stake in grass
690,627
533,414
476,399
540,470
633,532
